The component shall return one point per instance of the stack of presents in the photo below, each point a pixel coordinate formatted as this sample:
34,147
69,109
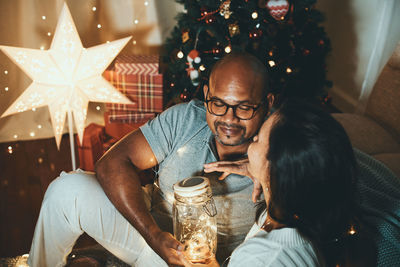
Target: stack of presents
139,79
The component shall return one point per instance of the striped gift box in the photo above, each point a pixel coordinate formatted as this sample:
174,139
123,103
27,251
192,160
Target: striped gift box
145,91
135,64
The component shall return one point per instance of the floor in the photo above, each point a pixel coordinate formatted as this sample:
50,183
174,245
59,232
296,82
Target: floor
26,170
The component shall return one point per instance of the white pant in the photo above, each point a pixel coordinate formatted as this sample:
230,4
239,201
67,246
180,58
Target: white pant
75,203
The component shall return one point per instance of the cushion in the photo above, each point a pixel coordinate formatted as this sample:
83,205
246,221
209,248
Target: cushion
391,160
366,135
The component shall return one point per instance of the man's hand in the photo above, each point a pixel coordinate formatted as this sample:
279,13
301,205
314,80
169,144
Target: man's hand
186,263
165,245
237,167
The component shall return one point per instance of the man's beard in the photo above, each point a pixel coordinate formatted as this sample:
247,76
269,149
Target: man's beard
239,142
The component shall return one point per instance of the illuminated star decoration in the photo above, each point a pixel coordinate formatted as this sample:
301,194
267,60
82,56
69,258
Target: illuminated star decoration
66,77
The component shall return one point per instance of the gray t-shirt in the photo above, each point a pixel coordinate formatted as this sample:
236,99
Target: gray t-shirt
182,142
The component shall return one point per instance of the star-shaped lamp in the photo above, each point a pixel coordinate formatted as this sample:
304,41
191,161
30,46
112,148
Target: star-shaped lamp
66,77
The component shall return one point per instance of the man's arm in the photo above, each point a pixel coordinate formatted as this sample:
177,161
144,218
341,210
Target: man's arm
117,172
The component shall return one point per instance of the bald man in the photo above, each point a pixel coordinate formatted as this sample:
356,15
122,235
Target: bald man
111,205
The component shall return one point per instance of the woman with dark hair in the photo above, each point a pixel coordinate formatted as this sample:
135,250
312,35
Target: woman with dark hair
303,162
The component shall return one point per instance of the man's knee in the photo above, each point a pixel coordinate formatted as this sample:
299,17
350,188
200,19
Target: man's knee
68,186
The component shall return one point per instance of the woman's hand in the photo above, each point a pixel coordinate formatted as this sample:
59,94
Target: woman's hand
186,263
238,167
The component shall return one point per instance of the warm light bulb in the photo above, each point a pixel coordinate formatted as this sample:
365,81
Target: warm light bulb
134,42
228,49
15,136
146,3
99,26
107,42
98,107
39,126
94,8
352,231
180,54
32,134
258,25
202,68
42,47
33,109
43,17
271,63
254,15
10,150
6,89
49,34
6,72
288,70
136,21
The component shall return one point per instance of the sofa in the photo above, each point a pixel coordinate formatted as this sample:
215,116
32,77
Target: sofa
377,132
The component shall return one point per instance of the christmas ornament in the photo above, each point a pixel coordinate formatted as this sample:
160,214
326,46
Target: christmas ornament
185,36
306,52
224,9
193,56
66,77
277,8
233,29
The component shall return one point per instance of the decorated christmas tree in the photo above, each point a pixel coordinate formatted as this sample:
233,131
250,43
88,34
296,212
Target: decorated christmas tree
285,34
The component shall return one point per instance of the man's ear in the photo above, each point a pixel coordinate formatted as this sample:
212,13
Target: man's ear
270,99
205,89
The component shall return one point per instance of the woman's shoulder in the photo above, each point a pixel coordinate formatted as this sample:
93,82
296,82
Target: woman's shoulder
281,247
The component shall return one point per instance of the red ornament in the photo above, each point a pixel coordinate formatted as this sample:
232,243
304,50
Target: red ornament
321,42
277,8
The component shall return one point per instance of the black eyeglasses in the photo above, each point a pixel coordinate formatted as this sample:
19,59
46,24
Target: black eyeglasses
241,111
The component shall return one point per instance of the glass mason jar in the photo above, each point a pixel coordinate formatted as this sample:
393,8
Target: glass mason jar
195,223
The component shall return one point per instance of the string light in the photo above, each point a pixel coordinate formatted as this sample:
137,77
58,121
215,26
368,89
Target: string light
134,42
228,49
6,89
33,109
43,17
15,136
271,63
202,68
98,108
107,42
42,47
258,25
93,8
10,149
6,72
136,21
288,70
99,25
32,134
39,126
180,54
49,34
352,231
254,15
146,3
40,160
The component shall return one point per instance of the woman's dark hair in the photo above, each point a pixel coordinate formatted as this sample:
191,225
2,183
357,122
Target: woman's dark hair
312,175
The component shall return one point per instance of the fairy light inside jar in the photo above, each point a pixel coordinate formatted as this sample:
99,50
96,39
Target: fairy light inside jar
195,224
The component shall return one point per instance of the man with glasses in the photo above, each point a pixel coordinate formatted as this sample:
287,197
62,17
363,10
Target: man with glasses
111,207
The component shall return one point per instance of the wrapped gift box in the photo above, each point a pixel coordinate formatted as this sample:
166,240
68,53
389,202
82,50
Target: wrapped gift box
137,77
91,147
120,123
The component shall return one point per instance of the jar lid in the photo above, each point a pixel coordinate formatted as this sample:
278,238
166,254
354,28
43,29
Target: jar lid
192,186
